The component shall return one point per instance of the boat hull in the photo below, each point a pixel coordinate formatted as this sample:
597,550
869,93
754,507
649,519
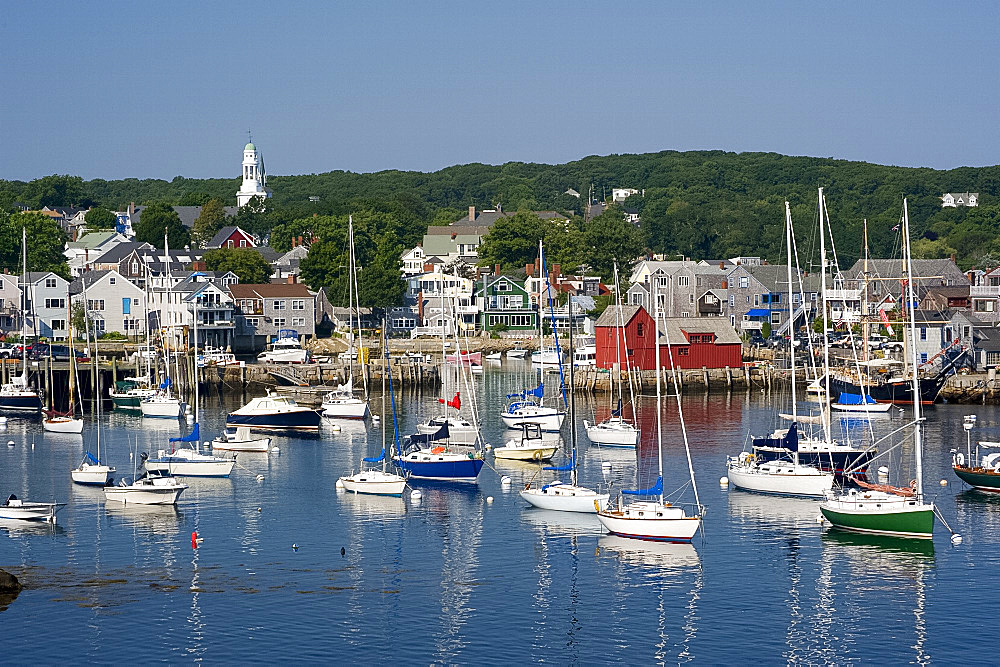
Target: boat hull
516,453
192,468
375,483
27,511
91,475
283,357
350,409
447,467
63,425
568,499
647,526
253,445
153,495
23,404
899,392
549,419
983,480
298,420
828,461
901,518
612,436
170,409
797,482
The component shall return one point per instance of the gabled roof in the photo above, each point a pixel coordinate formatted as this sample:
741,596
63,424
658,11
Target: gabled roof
892,268
35,276
270,290
93,239
679,328
609,318
223,235
123,250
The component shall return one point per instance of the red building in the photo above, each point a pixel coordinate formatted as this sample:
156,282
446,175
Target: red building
232,237
694,342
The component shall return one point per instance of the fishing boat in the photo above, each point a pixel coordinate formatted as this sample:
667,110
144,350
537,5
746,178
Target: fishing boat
585,351
656,519
566,497
787,476
982,471
23,510
285,350
530,446
274,413
16,396
241,440
215,356
858,403
882,509
378,481
149,488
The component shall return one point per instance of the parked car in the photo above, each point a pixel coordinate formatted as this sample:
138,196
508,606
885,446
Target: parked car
57,352
8,351
893,345
756,339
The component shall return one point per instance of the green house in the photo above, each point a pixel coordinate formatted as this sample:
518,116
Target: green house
505,304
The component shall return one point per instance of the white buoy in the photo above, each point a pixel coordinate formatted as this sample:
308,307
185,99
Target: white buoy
883,475
416,495
606,467
295,547
956,538
489,500
10,443
340,484
260,478
188,410
334,427
723,481
276,450
376,418
505,480
944,482
260,509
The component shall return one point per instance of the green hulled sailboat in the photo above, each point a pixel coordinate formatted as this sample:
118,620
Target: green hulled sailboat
879,508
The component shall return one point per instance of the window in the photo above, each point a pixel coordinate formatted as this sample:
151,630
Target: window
298,321
278,305
95,304
58,325
683,351
135,302
744,282
923,335
795,298
775,318
243,243
279,322
691,298
50,282
732,300
638,329
135,267
502,286
985,305
966,332
685,313
253,321
130,324
55,303
756,299
812,296
923,357
99,326
111,280
683,281
298,304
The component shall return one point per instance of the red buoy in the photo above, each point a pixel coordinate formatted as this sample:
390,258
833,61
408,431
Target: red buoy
194,540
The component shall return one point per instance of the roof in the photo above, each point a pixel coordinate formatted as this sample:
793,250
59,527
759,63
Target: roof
35,276
448,230
676,327
269,291
187,214
93,239
892,268
271,255
988,339
297,253
123,250
250,147
609,318
951,292
223,234
487,218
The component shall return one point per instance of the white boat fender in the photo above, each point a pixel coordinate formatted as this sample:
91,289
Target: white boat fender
487,447
489,500
295,547
260,478
334,427
276,450
10,443
260,509
606,467
505,480
723,481
416,494
820,519
340,483
956,539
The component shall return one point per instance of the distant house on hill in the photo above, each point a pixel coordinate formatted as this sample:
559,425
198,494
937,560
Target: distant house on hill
232,237
956,199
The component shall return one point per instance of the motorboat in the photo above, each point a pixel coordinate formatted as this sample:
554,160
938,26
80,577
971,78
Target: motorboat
63,424
468,358
274,413
150,488
91,471
529,447
15,508
286,350
521,411
16,397
341,403
190,461
214,356
517,353
130,392
496,356
613,432
547,356
240,440
585,352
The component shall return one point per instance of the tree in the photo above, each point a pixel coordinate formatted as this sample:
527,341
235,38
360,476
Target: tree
246,263
208,224
46,241
100,218
252,216
512,242
154,219
612,239
78,318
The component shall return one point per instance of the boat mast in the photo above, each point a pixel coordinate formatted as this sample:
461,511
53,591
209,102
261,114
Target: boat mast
359,347
917,439
350,301
385,369
541,341
196,363
659,395
825,413
791,323
24,306
572,395
864,313
72,355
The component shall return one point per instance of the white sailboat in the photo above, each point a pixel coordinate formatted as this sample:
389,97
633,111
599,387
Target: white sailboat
342,403
378,481
530,446
566,497
783,477
616,430
656,519
240,439
92,471
16,396
163,404
67,423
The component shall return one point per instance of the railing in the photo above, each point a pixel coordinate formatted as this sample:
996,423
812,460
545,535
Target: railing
430,331
985,291
843,295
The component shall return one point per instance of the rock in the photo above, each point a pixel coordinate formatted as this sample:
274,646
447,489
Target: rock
9,583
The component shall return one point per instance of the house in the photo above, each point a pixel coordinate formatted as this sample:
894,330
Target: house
88,247
985,296
709,342
436,295
264,310
142,263
955,199
402,320
174,300
505,305
232,237
413,261
10,303
46,305
935,334
946,298
887,274
987,348
70,218
113,303
758,295
287,265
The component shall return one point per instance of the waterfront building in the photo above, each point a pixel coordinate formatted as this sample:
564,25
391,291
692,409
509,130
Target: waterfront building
114,303
264,310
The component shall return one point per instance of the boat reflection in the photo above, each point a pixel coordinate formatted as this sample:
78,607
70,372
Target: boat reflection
367,507
15,528
157,519
656,554
772,511
562,524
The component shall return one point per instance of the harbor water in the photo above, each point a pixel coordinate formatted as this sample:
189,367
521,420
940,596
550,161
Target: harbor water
290,569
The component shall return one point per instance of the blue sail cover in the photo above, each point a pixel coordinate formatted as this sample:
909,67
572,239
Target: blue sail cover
618,412
568,466
427,438
194,436
377,459
789,442
166,383
93,459
655,490
855,399
537,392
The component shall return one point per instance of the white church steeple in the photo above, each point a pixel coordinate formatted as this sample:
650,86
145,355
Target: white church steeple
254,176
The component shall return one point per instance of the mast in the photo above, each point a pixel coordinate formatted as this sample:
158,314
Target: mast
659,403
864,310
917,436
359,346
572,396
196,363
541,341
385,369
72,355
826,343
24,306
791,324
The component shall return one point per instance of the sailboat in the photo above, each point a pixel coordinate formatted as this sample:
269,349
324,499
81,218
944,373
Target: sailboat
559,496
129,392
884,509
656,519
163,404
92,470
378,481
68,422
16,396
522,406
783,477
616,430
191,461
341,403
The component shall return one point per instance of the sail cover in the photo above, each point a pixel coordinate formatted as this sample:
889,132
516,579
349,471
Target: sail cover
93,459
427,438
655,490
563,468
846,398
790,441
377,459
194,436
617,412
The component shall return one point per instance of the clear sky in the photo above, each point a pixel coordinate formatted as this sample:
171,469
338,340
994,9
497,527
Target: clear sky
160,89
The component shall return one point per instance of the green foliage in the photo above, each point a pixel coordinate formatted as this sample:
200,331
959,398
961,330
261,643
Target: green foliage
112,335
611,239
252,217
765,330
601,304
56,191
246,263
46,241
154,219
100,218
512,241
209,222
78,320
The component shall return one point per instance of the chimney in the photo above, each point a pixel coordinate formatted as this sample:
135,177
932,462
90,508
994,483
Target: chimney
472,214
496,269
725,284
722,266
453,235
557,270
291,279
131,208
293,241
420,306
529,270
300,240
952,258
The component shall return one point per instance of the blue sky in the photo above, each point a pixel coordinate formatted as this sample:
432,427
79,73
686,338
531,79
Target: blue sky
123,89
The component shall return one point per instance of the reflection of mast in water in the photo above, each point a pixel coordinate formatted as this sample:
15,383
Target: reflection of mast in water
690,626
196,624
794,635
461,532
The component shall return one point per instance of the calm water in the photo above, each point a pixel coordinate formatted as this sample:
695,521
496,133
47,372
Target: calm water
453,579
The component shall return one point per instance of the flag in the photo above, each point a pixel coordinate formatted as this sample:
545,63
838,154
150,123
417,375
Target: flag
454,403
885,321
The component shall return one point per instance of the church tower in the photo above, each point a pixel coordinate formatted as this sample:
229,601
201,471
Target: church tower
254,177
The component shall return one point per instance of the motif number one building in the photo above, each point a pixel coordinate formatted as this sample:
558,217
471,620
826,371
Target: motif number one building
254,177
